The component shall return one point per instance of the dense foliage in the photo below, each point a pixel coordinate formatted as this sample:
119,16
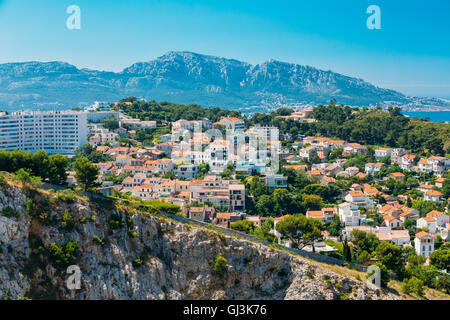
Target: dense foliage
164,112
364,126
49,168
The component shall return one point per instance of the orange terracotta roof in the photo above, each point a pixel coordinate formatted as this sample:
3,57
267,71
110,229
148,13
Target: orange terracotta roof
434,193
314,213
397,174
434,213
223,215
356,193
282,217
232,119
422,234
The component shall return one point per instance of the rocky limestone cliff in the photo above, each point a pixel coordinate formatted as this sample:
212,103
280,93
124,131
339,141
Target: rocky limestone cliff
176,258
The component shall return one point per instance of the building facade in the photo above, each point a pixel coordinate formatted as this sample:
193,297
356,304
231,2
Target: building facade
53,131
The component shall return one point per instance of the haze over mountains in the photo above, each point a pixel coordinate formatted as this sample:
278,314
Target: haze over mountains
187,77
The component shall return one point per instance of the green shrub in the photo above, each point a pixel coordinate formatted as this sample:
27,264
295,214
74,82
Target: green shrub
137,263
99,241
3,180
31,207
66,195
64,255
220,264
35,242
7,296
83,220
116,222
338,286
133,234
344,297
413,285
442,282
159,206
8,212
67,221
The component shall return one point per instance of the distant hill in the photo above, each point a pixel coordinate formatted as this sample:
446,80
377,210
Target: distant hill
186,77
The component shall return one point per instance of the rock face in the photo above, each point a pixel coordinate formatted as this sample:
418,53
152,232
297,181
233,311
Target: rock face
176,259
187,77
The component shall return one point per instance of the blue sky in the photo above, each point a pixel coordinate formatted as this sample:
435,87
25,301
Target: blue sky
411,53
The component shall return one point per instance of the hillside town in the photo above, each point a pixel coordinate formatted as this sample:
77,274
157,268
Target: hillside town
174,171
254,178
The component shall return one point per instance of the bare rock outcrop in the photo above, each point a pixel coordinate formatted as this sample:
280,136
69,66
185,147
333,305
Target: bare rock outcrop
149,257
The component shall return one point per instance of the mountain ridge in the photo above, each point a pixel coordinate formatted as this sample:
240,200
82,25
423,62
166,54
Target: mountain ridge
189,77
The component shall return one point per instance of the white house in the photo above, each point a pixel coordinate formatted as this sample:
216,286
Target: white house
425,166
275,181
349,214
439,164
439,182
407,161
425,187
433,195
352,171
424,244
382,152
372,168
293,159
441,218
187,171
305,153
324,215
233,124
392,222
357,197
397,237
427,222
347,231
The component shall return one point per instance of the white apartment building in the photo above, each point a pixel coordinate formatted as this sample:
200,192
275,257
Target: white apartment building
424,244
227,193
53,131
349,214
187,171
275,181
233,124
267,133
138,123
372,168
382,152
